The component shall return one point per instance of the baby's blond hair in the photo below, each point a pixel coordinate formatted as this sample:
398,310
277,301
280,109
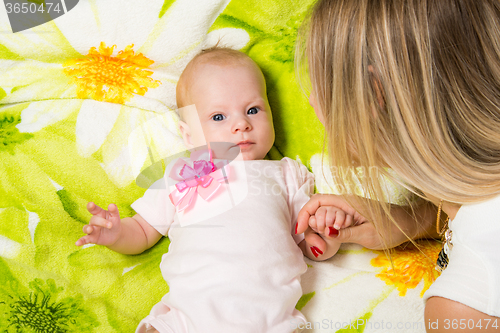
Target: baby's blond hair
217,55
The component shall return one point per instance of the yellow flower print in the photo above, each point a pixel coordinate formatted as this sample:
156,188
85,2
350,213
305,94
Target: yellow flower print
412,264
102,77
71,69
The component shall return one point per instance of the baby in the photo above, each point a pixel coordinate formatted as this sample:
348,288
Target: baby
234,261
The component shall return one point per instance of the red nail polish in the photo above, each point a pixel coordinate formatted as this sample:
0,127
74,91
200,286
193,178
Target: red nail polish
296,227
332,232
316,251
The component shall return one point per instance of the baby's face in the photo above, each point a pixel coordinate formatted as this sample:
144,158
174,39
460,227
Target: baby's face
232,107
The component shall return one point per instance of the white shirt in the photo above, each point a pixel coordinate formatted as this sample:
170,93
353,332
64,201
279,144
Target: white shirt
473,273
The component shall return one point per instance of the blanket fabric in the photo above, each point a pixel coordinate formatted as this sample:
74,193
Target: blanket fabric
86,103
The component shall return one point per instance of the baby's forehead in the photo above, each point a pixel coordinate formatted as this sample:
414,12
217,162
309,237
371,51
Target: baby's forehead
228,64
226,59
218,73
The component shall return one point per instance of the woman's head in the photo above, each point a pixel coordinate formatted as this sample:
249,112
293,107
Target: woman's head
413,85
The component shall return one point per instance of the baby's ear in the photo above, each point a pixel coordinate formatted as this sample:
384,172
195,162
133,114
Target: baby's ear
186,133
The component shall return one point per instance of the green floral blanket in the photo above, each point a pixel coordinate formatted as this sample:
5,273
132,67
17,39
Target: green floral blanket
86,103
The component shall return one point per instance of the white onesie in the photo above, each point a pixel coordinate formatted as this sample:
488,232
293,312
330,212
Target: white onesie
233,264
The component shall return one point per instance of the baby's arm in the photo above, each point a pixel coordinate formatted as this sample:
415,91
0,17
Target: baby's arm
325,222
131,235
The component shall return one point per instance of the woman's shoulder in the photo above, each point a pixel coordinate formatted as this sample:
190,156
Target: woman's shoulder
474,269
481,217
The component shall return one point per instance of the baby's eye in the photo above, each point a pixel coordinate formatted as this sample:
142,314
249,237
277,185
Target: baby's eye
218,117
253,110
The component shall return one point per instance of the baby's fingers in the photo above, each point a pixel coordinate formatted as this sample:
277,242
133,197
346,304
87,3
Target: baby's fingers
349,221
321,217
339,218
335,220
88,229
100,222
313,224
331,216
89,239
95,210
114,214
92,232
91,229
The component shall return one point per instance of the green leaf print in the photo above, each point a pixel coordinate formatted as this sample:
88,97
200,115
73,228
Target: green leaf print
42,307
304,300
9,134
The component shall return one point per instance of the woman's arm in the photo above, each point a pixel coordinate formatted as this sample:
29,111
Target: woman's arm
444,315
417,222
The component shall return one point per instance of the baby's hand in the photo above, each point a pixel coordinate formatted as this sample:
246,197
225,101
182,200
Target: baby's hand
104,227
329,219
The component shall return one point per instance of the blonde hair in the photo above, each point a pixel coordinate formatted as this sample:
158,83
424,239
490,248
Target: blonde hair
216,55
413,85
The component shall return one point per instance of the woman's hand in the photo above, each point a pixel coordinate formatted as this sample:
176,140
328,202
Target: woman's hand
413,223
361,232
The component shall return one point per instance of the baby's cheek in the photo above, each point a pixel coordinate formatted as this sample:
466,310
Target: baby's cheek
217,132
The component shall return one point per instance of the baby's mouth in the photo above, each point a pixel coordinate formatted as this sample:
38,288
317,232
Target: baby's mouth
245,144
242,147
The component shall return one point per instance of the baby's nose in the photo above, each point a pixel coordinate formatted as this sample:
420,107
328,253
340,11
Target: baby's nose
242,125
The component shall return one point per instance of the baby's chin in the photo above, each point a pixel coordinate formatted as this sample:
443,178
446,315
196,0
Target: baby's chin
250,155
246,156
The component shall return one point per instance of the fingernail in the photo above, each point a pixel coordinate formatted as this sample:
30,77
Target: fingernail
332,232
316,251
296,227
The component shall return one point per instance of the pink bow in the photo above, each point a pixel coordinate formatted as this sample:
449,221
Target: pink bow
204,178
